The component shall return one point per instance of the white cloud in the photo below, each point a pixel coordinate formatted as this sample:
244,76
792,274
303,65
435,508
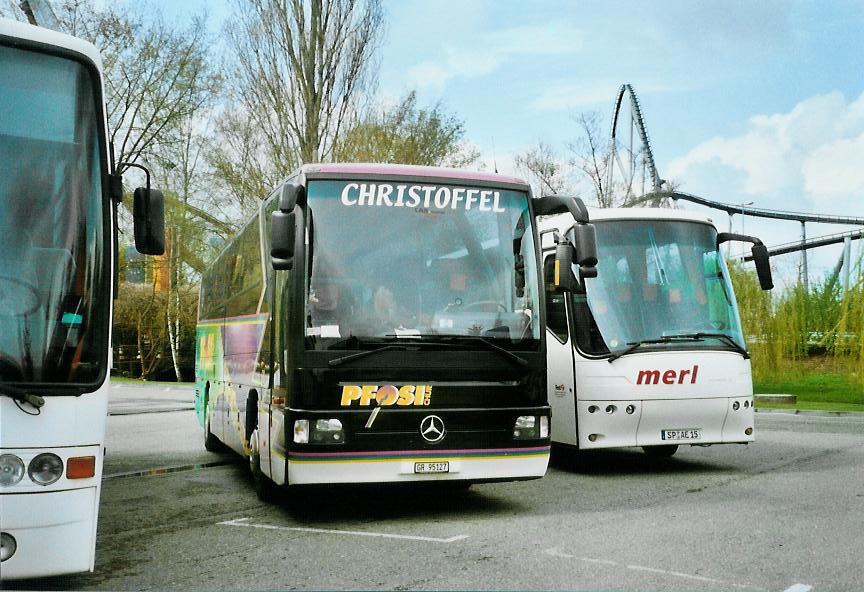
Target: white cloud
486,52
795,159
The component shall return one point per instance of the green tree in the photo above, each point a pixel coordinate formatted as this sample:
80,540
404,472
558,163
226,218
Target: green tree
408,134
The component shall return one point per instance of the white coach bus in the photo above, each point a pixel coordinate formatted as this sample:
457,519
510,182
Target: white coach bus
57,210
649,352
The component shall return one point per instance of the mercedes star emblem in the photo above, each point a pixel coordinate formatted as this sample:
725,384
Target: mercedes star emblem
432,429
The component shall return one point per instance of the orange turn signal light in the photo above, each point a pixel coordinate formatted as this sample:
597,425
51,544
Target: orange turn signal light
80,467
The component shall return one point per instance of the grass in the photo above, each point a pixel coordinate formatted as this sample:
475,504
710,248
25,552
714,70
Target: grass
815,380
821,383
124,380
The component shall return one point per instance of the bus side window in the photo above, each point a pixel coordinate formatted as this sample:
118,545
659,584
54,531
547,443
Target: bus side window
556,311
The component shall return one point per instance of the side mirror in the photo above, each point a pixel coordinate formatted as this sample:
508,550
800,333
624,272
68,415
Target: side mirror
148,211
759,252
283,232
565,281
283,227
585,244
763,266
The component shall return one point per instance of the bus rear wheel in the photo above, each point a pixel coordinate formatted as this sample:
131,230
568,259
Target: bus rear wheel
265,489
664,451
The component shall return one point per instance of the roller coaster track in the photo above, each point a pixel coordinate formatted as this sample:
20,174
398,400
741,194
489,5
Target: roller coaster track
639,123
750,211
811,243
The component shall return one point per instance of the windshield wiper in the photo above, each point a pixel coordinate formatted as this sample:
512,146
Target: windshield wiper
497,348
17,394
721,336
634,345
362,354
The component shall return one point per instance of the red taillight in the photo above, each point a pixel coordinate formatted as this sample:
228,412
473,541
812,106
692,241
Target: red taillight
80,467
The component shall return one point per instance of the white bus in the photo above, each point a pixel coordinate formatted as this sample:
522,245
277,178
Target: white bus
57,198
649,353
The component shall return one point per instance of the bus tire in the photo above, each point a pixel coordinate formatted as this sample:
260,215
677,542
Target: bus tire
664,451
211,442
265,489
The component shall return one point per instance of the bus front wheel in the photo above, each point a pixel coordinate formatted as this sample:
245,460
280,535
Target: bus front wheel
266,490
664,451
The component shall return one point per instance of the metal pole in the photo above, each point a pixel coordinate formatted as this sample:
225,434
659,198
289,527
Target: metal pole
805,276
847,262
729,243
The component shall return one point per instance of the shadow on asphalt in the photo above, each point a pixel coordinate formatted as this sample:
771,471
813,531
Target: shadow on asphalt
320,504
627,462
71,582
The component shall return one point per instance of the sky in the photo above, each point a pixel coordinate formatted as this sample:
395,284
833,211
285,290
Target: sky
743,101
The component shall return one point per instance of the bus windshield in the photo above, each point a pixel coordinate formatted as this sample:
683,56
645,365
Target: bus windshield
660,281
53,286
395,259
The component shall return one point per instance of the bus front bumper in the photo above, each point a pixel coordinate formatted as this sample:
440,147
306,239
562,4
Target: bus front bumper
54,532
461,465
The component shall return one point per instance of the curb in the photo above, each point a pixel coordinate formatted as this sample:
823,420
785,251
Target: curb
816,412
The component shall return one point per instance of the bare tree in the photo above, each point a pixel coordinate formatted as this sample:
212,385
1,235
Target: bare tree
590,154
546,171
156,74
301,69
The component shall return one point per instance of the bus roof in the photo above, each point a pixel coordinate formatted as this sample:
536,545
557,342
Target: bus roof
405,170
563,222
40,35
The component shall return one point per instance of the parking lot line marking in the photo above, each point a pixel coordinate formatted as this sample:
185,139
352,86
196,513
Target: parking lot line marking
798,588
554,552
408,537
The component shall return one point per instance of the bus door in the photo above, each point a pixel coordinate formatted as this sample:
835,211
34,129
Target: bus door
559,352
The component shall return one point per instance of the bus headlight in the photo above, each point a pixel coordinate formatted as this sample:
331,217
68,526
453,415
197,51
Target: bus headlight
11,469
544,426
526,428
8,546
327,431
45,468
301,431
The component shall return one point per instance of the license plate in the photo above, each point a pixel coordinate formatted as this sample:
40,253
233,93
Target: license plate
688,434
432,467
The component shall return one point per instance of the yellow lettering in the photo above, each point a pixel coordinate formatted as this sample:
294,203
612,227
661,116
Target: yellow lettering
350,392
427,398
406,395
368,394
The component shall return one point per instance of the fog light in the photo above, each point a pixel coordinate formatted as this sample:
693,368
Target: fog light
301,431
45,468
735,406
592,437
748,431
610,409
11,469
327,431
526,428
8,546
593,409
631,409
544,426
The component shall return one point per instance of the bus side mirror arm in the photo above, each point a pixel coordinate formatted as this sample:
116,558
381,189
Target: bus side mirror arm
759,253
148,211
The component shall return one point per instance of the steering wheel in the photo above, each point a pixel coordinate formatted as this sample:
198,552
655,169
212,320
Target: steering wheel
480,304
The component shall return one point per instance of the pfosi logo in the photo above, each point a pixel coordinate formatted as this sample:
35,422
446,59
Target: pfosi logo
668,376
385,395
